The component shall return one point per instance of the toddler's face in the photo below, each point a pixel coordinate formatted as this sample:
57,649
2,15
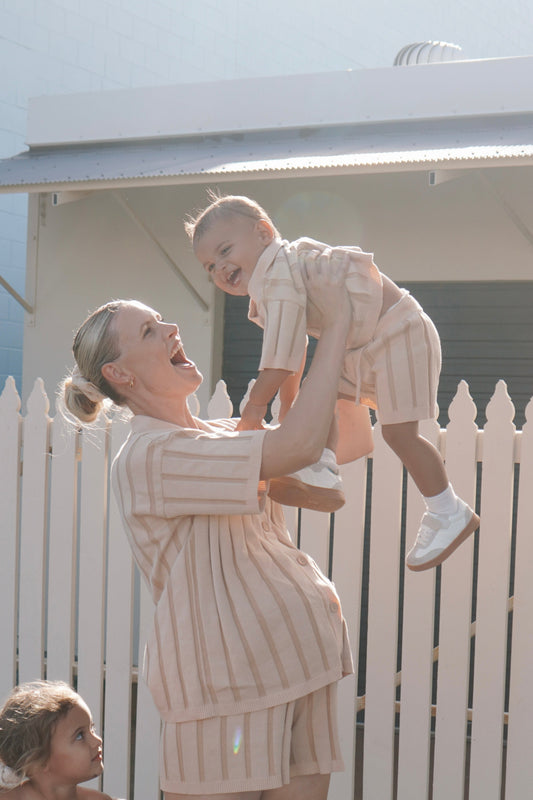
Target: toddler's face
229,250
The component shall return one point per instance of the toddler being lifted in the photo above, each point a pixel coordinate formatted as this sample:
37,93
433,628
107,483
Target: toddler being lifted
392,361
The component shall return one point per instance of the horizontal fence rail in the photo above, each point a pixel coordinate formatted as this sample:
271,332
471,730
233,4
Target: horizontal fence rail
441,706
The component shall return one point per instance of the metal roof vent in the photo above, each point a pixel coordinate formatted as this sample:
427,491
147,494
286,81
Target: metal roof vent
427,53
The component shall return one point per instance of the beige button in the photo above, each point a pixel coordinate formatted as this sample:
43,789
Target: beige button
301,560
333,607
265,526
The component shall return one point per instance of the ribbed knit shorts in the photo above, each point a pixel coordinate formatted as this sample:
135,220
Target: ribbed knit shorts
252,751
398,371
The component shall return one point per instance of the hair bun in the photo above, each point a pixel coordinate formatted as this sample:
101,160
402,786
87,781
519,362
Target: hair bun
87,388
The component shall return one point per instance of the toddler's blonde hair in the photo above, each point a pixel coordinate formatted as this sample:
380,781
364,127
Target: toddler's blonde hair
223,207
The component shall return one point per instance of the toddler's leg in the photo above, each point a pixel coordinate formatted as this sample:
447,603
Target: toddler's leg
448,520
421,459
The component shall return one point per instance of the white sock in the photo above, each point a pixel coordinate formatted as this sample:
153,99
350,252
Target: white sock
443,503
328,458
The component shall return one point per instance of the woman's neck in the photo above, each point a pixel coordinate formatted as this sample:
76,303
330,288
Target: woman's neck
178,413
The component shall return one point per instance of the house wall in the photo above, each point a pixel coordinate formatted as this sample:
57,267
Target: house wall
90,251
63,46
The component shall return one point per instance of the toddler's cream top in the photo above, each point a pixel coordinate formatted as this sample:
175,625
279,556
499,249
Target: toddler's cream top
243,619
279,304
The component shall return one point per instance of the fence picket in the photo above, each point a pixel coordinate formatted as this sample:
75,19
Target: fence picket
119,642
148,725
91,582
10,437
378,760
347,574
519,774
33,526
417,661
492,598
60,642
455,611
220,406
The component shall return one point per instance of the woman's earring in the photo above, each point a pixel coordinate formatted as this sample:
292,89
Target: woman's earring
132,381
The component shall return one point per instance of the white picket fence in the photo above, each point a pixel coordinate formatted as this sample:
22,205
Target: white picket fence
455,711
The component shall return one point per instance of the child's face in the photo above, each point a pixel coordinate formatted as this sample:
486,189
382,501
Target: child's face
75,748
229,250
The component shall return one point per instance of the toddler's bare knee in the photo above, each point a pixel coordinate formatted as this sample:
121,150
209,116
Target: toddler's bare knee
400,434
389,433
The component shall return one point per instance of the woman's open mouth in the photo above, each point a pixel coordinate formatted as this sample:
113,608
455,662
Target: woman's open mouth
178,357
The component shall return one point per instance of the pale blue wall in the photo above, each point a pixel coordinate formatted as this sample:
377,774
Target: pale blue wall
51,47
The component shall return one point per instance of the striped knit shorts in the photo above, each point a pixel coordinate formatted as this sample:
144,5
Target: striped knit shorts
398,371
252,751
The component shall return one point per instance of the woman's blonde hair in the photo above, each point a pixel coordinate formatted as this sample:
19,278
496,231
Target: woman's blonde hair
222,207
27,722
85,390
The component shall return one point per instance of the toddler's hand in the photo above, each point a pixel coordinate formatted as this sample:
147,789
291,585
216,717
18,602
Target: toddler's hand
252,417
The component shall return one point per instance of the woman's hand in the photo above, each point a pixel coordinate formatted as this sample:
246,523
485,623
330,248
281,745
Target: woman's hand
324,275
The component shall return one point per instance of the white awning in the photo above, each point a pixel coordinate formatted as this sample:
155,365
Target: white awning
342,149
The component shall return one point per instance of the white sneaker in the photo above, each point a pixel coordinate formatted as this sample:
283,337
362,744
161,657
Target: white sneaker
439,535
318,487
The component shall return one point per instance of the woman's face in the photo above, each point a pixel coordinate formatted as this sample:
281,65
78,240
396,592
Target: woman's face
152,352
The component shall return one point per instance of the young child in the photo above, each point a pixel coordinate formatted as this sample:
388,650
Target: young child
48,744
392,361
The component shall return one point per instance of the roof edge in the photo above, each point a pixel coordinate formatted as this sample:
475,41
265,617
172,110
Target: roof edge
387,94
354,164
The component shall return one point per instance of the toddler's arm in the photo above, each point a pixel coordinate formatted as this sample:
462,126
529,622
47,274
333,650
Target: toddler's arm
290,388
264,389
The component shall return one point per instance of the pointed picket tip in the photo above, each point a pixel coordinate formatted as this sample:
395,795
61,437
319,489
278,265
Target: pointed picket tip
247,395
38,402
220,405
10,399
500,408
529,412
462,408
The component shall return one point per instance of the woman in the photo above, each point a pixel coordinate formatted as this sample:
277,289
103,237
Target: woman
248,639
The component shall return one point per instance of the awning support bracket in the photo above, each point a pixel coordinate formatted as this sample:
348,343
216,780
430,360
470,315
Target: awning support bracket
24,303
166,256
517,221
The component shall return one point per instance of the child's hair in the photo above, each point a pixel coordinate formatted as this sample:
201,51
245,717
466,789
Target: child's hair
85,390
222,207
27,722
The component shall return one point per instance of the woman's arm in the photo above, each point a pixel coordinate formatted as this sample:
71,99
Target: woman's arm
302,435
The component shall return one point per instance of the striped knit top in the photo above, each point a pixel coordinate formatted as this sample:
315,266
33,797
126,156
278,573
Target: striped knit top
243,619
279,304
